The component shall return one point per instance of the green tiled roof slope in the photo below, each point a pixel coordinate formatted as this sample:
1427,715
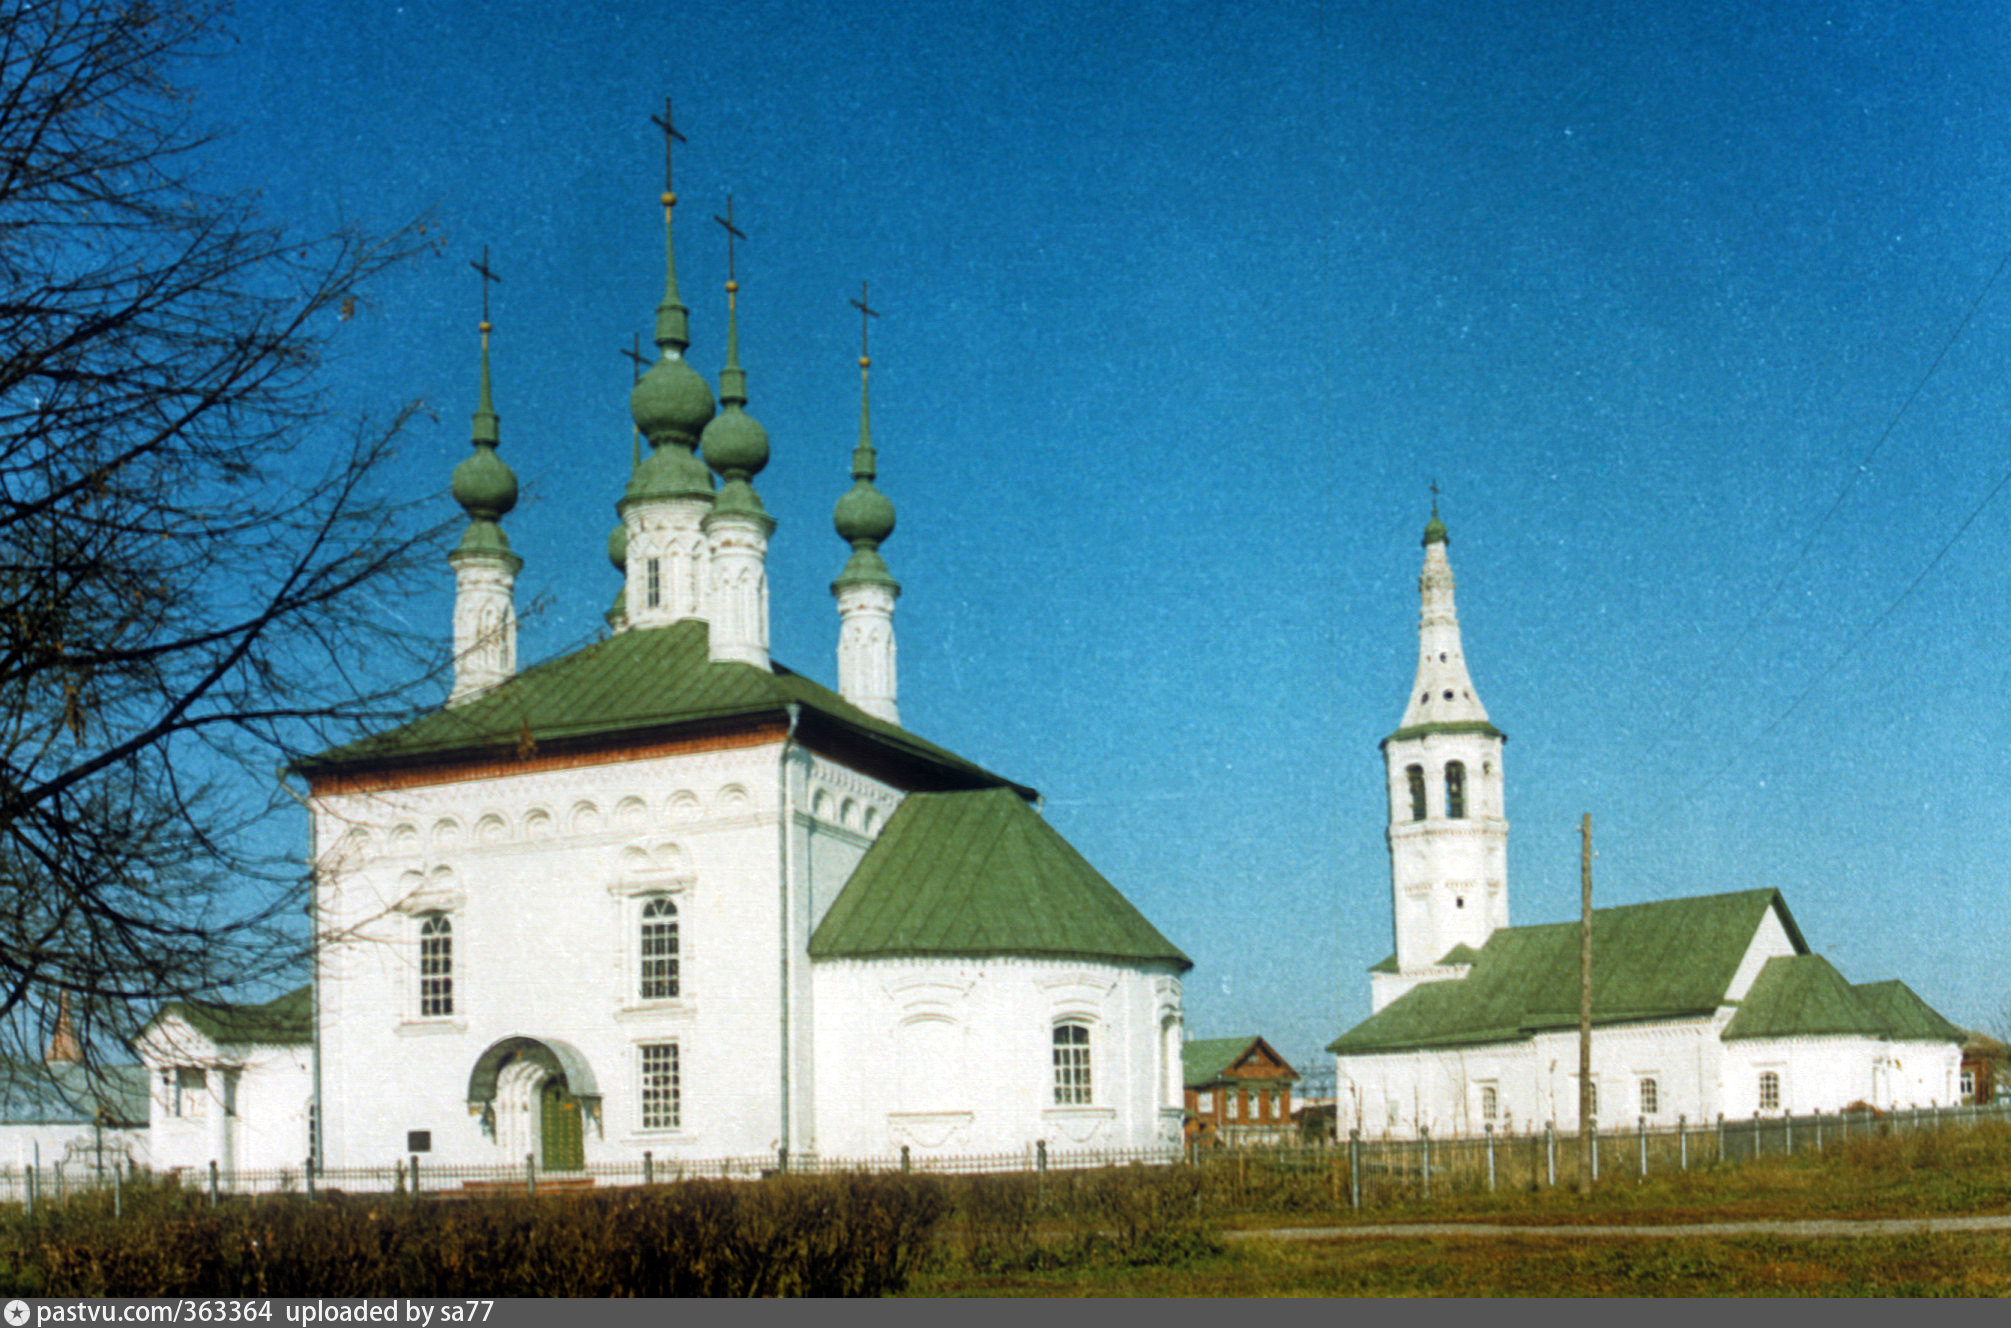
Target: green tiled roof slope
1907,1017
980,872
1803,996
632,683
1655,960
284,1021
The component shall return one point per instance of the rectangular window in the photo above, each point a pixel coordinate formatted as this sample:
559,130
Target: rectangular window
1490,1103
1071,1065
1235,1106
1770,1090
418,1141
1969,1085
1204,1103
1651,1097
660,1086
655,583
659,950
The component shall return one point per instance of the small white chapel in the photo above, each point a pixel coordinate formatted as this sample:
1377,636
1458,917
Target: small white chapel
1701,1006
664,895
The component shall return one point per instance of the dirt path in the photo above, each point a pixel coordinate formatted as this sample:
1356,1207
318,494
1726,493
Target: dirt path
1880,1226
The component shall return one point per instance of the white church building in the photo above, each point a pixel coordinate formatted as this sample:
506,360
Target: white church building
1701,1006
663,895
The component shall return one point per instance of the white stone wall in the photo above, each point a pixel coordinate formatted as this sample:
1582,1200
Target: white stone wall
1448,875
543,877
956,1056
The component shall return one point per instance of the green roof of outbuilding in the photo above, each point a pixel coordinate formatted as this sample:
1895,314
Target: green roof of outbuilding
1656,960
1203,1060
283,1021
1803,996
1207,1061
980,872
632,685
1388,965
72,1093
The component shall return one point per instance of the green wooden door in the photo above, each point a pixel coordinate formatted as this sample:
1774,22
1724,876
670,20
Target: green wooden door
559,1128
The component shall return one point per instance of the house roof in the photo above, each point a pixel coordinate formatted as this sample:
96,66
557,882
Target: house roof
1655,960
283,1021
1207,1061
980,872
636,685
72,1093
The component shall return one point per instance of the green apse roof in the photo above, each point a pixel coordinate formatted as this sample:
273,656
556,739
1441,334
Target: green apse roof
1804,996
980,872
1649,961
1206,1061
1907,1017
283,1021
636,684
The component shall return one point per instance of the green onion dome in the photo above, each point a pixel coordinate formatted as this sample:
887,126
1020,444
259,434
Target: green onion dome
484,484
671,403
864,514
1434,531
617,547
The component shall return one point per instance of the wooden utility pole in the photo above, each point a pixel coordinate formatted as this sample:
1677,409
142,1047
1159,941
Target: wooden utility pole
1586,1123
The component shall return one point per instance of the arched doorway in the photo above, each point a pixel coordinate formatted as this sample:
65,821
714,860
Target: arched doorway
536,1096
562,1143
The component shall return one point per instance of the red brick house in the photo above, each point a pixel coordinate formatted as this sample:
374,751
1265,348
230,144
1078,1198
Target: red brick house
1239,1090
1983,1068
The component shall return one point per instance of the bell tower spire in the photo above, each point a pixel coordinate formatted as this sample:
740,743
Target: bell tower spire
485,571
1448,836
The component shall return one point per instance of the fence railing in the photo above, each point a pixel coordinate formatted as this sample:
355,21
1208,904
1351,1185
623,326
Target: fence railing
1359,1172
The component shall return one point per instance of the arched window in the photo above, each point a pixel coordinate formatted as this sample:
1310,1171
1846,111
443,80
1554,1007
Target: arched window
1770,1090
653,582
436,967
1455,789
1416,776
1071,1065
1651,1097
659,950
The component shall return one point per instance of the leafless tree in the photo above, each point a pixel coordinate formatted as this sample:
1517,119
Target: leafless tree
187,596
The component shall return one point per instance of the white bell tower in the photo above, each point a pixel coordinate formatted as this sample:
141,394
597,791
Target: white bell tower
1448,836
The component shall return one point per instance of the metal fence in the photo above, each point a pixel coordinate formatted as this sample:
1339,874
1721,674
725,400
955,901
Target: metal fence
1359,1172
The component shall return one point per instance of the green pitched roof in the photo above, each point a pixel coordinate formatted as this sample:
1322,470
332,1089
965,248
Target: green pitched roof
1803,996
1388,965
1656,960
633,685
1206,1061
1459,954
1907,1017
980,872
283,1021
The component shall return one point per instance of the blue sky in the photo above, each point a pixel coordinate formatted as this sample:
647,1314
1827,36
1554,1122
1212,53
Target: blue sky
1184,305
